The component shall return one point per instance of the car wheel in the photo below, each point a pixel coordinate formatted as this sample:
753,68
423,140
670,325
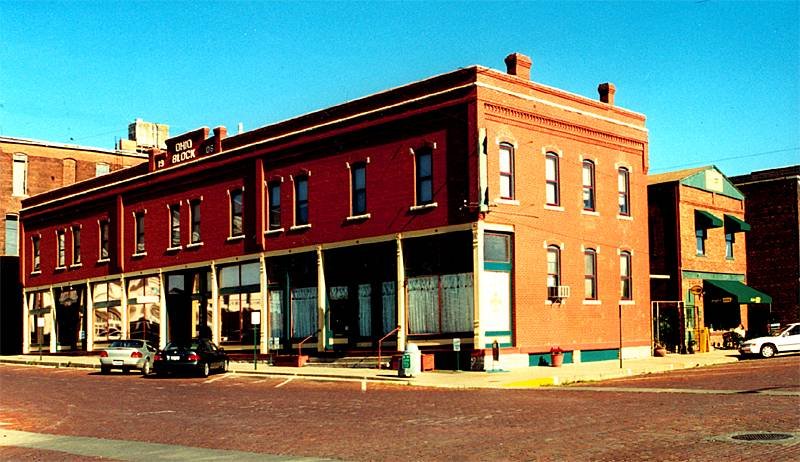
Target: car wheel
146,368
105,369
768,350
206,370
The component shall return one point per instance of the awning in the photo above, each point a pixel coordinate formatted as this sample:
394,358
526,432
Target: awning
705,220
742,293
735,225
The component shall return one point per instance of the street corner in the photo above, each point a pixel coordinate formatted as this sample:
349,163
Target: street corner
533,383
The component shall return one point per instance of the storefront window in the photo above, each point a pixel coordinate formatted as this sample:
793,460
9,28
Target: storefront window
107,301
240,296
41,304
144,308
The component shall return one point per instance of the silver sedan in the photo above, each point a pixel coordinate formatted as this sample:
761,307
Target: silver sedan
127,355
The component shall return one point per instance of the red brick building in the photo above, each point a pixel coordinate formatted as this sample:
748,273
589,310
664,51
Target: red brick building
698,258
773,250
475,205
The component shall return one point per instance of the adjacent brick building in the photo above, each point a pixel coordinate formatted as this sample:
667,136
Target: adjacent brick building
475,206
698,259
773,250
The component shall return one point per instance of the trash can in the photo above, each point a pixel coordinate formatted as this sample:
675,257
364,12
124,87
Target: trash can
411,362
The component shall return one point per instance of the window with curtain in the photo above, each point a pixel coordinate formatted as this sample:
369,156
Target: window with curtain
139,231
35,242
389,301
551,174
61,243
440,304
506,159
236,209
304,312
588,185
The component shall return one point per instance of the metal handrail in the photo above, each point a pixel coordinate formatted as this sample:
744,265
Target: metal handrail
380,359
300,345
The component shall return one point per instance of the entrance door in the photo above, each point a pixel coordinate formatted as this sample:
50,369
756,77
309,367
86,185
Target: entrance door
187,300
343,315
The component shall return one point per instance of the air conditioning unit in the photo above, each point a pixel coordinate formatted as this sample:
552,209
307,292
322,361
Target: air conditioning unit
558,292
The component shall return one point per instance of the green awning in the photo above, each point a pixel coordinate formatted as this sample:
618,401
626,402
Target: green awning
743,293
705,220
735,225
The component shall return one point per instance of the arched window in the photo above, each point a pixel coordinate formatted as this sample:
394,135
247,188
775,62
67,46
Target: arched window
588,185
590,274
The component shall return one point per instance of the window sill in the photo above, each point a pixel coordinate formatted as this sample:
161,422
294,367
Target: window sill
555,208
417,208
174,249
36,273
60,268
235,238
363,216
300,227
592,302
625,217
504,201
627,302
139,255
194,245
272,232
104,260
76,265
593,213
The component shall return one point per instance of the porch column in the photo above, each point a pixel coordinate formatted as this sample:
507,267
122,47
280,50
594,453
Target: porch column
215,324
124,307
477,270
265,321
401,295
162,314
26,333
89,321
322,335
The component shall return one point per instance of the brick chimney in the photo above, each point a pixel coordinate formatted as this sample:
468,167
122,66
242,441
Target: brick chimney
607,91
519,65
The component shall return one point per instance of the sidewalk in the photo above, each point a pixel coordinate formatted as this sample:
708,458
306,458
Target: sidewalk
518,378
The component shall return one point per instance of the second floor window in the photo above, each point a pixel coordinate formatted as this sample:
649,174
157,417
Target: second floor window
623,187
700,235
424,171
174,225
194,209
301,200
76,245
551,175
12,234
626,280
729,240
358,183
139,232
274,204
35,240
588,185
506,171
553,267
20,175
237,211
590,274
104,253
61,242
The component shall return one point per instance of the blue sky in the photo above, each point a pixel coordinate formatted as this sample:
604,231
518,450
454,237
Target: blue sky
719,82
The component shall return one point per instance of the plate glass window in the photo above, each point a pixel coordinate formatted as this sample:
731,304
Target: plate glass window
195,211
551,174
626,286
139,230
623,187
301,200
424,169
590,274
237,228
588,185
359,185
506,171
274,205
174,225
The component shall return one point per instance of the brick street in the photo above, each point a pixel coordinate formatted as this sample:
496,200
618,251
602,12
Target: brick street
687,415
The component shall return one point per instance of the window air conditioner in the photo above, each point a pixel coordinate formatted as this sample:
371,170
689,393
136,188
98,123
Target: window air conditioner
558,292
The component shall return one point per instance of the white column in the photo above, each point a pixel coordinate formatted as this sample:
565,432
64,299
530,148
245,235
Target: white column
124,307
89,318
215,324
401,295
162,313
265,327
477,271
26,333
322,336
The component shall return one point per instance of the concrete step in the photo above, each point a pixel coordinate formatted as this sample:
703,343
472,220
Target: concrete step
366,362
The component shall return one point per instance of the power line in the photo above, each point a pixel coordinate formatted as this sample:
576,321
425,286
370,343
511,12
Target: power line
722,159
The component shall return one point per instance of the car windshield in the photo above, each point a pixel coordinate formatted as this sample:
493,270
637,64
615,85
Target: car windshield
127,344
193,345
